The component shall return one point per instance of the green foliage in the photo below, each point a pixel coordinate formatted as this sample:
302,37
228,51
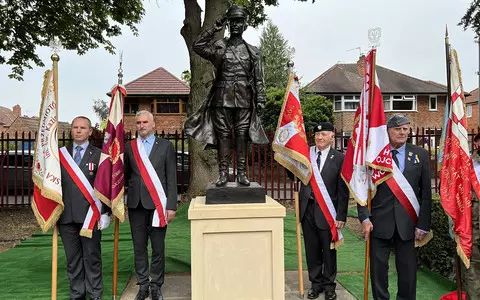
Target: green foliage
79,25
100,108
186,76
273,107
276,54
472,17
315,109
439,254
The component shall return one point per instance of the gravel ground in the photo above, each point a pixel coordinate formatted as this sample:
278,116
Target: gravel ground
17,223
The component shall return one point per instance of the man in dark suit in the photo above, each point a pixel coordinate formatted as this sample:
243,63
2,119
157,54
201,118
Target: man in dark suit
142,207
389,222
321,260
84,256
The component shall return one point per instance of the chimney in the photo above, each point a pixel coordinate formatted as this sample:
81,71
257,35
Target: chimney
17,110
361,65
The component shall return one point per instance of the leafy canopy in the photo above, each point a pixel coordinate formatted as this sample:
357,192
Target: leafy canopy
79,25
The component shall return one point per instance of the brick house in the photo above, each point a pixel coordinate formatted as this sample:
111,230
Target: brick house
422,101
471,102
7,116
12,121
161,93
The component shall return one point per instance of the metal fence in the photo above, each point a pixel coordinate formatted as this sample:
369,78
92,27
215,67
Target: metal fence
16,158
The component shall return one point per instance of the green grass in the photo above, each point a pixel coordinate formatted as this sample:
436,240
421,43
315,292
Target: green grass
25,269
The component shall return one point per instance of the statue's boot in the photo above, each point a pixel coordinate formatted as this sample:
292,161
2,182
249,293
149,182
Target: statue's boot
223,161
241,152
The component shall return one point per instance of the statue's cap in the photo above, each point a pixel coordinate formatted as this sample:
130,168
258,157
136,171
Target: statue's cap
237,11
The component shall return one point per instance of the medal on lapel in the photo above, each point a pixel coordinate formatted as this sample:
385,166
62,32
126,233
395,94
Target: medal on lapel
91,166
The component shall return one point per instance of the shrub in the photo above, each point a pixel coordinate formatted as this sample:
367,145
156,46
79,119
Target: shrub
439,254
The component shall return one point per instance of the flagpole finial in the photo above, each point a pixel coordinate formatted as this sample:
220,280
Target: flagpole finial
374,35
290,65
55,46
120,70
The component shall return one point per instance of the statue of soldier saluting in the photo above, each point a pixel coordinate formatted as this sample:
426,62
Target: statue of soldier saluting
236,97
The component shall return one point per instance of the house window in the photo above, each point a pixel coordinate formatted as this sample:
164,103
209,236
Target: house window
469,110
346,102
432,103
346,138
338,103
399,103
169,105
130,108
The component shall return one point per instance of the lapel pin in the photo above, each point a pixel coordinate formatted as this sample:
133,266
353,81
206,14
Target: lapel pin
410,153
331,156
408,158
416,159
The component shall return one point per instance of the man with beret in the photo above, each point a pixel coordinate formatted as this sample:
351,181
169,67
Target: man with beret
390,223
321,259
236,98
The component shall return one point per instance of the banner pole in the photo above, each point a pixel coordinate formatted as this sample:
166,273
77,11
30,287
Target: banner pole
299,239
115,258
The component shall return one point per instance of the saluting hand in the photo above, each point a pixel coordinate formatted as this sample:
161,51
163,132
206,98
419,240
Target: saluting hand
170,215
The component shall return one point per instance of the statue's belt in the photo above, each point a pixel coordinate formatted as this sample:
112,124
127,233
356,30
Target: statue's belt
233,77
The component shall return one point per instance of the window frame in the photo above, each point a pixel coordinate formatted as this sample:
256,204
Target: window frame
391,98
430,97
469,106
343,100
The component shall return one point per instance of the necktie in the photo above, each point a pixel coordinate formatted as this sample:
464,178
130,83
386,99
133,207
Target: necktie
394,156
319,159
78,157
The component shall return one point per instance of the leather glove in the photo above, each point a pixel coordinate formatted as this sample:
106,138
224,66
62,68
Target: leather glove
104,221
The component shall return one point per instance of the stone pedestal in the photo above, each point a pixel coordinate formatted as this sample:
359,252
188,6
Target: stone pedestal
237,250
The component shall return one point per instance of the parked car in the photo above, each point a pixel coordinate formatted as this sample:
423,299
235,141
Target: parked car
16,171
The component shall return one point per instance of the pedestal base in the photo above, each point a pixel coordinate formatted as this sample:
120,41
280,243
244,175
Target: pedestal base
233,193
237,250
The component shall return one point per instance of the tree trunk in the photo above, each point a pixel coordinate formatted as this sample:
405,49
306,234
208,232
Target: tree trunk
203,163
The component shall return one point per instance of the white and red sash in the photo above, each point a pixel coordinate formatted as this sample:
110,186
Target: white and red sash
324,201
154,186
93,214
403,191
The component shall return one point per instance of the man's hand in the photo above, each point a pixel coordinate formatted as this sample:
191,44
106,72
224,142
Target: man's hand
170,215
104,221
420,234
339,224
367,227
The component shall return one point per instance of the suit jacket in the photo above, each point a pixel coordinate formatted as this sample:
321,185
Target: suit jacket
163,160
388,213
76,205
336,187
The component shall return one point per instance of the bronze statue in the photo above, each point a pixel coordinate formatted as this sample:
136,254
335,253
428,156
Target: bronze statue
236,98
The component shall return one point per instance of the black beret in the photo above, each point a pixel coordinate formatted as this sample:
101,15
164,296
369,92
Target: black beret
324,126
397,120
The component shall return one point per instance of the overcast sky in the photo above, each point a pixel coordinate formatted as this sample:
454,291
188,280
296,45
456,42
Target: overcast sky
412,43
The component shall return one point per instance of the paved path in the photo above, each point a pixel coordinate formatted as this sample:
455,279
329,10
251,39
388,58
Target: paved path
177,287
